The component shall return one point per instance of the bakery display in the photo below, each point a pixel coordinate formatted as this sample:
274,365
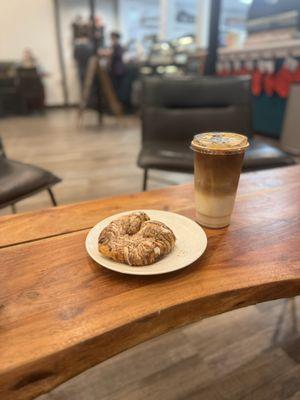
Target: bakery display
136,240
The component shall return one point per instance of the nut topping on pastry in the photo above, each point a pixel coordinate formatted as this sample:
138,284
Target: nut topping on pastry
136,240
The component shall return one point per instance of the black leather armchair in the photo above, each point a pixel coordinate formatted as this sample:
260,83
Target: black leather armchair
19,180
9,99
174,110
30,90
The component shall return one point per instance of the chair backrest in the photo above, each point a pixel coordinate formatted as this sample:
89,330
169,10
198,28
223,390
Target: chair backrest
29,81
290,138
2,151
177,109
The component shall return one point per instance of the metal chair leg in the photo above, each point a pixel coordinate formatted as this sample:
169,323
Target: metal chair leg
13,208
145,179
51,194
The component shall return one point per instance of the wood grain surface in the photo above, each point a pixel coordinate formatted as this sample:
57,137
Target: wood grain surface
60,313
30,226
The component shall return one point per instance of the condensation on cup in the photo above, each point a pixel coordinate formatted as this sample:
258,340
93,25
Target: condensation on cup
218,159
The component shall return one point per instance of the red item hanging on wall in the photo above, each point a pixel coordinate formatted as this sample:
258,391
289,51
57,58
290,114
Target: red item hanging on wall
244,71
219,70
269,84
236,68
283,81
256,83
224,73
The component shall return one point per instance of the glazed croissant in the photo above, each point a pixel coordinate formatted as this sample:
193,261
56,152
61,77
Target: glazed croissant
136,240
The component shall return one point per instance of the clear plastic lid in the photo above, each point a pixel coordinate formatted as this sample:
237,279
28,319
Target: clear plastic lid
220,143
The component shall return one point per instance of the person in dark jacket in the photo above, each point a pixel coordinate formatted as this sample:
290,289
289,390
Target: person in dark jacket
116,64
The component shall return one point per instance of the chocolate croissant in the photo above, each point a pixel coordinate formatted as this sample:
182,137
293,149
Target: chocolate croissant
136,240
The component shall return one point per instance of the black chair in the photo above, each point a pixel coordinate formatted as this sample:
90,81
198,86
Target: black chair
30,89
9,98
19,180
174,110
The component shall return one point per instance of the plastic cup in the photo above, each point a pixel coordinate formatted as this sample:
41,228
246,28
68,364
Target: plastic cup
218,159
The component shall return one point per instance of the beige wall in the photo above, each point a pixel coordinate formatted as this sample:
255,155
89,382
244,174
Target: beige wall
30,23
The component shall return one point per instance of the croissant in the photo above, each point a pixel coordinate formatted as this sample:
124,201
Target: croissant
136,240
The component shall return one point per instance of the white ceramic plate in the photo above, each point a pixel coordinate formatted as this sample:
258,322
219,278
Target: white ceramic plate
190,244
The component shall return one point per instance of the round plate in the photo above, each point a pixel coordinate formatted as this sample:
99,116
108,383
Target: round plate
190,244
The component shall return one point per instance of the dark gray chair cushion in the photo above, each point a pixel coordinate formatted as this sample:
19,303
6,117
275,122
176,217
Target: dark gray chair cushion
168,156
19,180
262,156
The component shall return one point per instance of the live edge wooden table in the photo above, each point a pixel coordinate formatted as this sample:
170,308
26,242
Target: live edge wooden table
60,313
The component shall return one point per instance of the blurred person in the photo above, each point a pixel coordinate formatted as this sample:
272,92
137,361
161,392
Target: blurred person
83,50
77,27
98,37
28,59
30,83
116,64
80,29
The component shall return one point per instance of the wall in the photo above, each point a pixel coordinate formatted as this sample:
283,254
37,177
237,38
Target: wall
30,23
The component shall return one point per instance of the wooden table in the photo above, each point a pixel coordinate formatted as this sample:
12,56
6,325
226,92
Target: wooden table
60,313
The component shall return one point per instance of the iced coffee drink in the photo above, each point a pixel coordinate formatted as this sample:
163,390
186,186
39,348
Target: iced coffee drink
218,161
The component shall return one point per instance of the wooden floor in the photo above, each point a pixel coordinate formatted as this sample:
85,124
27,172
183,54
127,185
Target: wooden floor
238,355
